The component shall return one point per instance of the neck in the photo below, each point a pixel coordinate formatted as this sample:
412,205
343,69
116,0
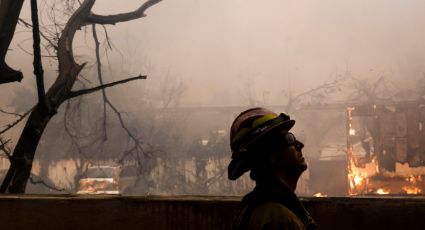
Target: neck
289,179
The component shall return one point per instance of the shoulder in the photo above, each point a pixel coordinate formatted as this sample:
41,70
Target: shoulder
273,215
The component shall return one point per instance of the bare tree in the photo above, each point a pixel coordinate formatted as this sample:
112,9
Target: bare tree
321,91
62,88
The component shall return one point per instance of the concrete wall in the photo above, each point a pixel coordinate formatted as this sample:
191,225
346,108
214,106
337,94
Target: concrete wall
108,212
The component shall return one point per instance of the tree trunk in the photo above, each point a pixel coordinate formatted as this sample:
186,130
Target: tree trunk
23,156
9,15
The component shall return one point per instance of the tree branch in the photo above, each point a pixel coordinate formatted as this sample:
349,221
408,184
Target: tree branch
16,122
68,68
10,113
99,74
4,148
137,143
328,85
73,94
116,18
28,25
38,66
74,137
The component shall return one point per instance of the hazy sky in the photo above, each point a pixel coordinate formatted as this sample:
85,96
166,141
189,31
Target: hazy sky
219,47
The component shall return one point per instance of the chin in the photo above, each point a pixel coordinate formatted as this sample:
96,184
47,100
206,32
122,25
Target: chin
303,167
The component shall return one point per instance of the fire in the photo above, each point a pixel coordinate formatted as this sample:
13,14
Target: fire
319,194
367,181
382,191
411,189
359,179
413,179
358,182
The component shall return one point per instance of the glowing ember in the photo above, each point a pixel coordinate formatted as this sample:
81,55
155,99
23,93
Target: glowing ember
413,179
319,194
382,191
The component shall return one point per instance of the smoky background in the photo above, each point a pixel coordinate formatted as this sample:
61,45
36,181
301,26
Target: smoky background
208,60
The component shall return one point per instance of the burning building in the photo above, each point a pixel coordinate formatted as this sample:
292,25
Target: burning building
386,149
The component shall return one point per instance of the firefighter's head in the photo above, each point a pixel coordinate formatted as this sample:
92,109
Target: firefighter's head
261,142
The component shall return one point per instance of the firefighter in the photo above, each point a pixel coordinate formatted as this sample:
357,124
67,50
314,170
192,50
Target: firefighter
262,144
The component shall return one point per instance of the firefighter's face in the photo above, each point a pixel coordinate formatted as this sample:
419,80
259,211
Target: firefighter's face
290,156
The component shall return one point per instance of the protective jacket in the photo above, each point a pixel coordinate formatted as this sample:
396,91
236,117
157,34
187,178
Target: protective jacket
272,205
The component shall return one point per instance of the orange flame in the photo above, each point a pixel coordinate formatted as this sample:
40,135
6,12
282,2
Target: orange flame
412,190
